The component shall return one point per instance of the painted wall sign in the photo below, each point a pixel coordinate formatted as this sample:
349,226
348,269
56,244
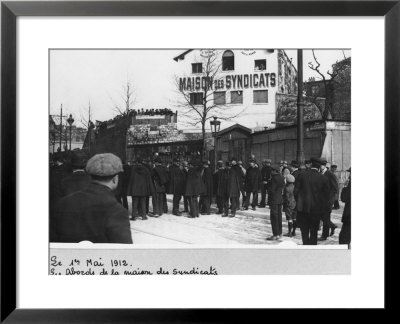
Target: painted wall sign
248,52
207,52
236,81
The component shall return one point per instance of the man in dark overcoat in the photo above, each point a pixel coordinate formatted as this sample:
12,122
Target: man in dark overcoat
328,225
252,184
186,200
193,189
219,186
276,202
122,190
140,187
266,177
312,195
176,185
160,180
78,179
93,214
345,196
206,196
294,169
235,175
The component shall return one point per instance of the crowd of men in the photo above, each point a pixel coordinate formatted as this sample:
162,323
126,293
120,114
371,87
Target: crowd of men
89,201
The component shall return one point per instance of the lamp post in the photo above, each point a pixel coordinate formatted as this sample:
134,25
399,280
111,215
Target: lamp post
70,121
215,126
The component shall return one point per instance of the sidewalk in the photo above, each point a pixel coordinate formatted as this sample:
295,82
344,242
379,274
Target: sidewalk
248,227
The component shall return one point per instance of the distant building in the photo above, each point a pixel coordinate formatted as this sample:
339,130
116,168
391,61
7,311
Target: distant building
248,81
141,133
69,135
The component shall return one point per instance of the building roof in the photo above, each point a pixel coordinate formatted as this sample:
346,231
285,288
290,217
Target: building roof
236,126
182,56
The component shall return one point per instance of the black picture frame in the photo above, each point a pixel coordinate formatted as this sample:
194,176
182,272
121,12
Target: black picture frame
10,10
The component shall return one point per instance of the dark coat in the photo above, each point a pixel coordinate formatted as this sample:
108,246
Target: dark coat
266,173
76,181
92,214
333,186
159,175
288,197
140,184
295,173
311,191
176,180
277,186
228,182
207,179
345,196
219,182
123,182
234,181
194,184
253,180
57,174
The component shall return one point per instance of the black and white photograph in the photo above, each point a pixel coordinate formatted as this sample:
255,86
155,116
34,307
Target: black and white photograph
191,147
203,155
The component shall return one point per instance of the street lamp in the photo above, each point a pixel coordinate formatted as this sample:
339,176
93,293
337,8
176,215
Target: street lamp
70,121
215,126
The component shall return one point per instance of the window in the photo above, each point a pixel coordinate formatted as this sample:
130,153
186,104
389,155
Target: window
260,96
260,65
197,68
228,61
236,97
219,98
196,98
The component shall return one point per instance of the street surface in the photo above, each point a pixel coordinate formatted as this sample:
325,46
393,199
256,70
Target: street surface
248,227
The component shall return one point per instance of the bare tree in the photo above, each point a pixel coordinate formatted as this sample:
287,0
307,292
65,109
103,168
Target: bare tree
196,100
339,82
128,99
87,122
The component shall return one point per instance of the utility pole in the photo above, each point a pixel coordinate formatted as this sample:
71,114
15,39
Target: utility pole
89,129
300,121
61,117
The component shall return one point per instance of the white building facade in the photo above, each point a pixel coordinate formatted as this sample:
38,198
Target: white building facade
240,83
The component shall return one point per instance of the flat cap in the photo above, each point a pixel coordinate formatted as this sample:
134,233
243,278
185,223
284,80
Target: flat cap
104,165
220,163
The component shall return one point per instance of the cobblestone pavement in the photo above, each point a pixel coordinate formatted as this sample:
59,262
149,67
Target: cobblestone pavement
248,227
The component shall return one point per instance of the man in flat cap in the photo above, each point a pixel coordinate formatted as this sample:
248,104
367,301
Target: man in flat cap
312,195
94,213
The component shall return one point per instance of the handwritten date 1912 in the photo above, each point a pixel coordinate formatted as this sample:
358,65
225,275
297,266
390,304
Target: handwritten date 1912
119,263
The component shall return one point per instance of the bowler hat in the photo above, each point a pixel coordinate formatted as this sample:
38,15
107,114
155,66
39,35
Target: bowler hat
104,165
294,164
